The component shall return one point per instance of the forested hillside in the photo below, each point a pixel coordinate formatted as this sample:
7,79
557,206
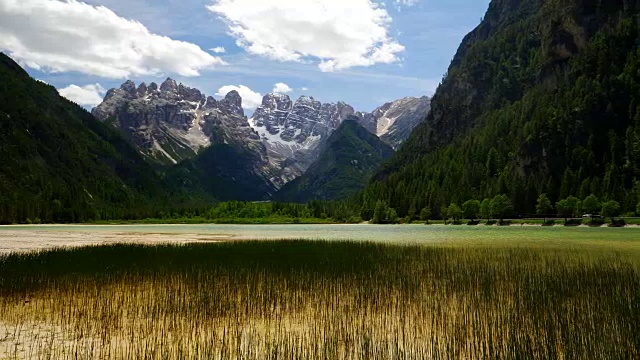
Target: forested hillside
542,97
223,172
59,164
349,159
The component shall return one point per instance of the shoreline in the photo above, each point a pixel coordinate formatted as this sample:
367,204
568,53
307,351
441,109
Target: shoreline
439,223
14,239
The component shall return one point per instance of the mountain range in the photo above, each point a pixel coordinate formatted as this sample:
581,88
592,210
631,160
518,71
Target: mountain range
172,123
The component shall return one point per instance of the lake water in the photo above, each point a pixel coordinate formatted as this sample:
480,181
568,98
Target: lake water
24,238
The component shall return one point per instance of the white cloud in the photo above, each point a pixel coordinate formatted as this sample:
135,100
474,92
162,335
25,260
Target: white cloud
218,50
88,95
305,89
407,2
281,88
250,99
70,35
336,34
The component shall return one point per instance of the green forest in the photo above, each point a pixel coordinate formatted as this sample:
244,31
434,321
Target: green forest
542,98
59,164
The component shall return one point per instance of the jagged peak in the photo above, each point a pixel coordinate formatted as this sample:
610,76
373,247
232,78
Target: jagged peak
169,85
142,89
276,96
232,94
234,98
306,98
276,101
233,103
128,86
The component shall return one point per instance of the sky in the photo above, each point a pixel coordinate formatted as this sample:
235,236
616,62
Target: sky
362,52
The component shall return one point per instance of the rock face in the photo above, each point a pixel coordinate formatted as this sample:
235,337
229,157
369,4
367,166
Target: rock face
394,121
293,132
173,123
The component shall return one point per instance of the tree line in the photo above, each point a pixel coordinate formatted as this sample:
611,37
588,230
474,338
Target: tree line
500,208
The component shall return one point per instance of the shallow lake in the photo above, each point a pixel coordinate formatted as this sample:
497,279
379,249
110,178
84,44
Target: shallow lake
24,238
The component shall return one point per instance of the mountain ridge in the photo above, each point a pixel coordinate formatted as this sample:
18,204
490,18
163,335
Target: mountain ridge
295,131
172,123
347,161
60,164
540,98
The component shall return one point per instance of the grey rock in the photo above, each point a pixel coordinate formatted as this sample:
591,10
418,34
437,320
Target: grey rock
169,85
293,132
129,87
394,121
232,103
142,89
174,123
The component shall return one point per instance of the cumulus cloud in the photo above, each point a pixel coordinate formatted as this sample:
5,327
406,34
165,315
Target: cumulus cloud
336,34
70,35
88,95
250,99
281,88
218,50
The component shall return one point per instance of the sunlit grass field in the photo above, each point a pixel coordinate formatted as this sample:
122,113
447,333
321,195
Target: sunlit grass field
550,298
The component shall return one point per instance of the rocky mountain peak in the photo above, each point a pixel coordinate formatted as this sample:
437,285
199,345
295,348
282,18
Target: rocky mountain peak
142,89
306,98
210,103
233,98
190,94
232,103
177,122
129,87
293,131
277,102
395,120
169,85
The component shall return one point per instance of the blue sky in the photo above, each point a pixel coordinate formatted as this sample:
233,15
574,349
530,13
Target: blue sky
78,46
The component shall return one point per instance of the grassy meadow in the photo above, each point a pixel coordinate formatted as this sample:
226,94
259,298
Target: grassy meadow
323,300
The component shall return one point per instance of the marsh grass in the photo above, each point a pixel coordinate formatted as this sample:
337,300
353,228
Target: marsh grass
319,300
